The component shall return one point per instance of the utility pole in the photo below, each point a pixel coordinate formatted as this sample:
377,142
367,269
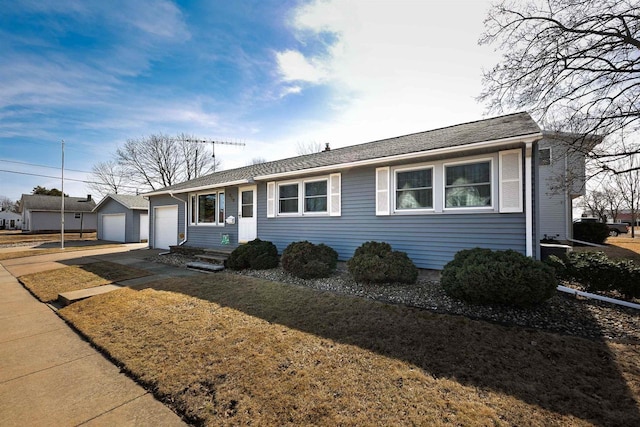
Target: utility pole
213,146
62,207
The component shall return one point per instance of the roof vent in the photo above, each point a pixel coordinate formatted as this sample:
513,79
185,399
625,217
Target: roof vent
88,197
326,147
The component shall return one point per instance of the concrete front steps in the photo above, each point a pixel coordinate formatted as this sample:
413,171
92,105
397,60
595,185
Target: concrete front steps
209,260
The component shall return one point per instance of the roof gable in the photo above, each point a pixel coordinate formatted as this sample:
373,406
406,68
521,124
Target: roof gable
126,200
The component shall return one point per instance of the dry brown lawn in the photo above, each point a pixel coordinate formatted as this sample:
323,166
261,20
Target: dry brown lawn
46,285
24,253
12,236
231,350
617,247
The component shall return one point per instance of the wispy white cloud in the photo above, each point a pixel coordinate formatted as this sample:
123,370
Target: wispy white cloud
294,66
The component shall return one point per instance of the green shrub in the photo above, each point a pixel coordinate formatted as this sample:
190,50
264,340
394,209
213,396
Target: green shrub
308,261
597,272
594,232
483,276
256,254
375,262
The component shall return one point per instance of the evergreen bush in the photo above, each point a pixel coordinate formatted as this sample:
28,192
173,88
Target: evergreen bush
376,262
256,254
483,276
594,232
308,261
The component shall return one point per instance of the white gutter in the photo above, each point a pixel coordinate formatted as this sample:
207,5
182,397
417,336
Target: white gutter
202,187
186,212
598,297
528,195
408,156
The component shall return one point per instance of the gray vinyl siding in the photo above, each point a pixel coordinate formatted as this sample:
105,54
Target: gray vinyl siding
165,200
555,205
208,236
50,221
430,240
131,221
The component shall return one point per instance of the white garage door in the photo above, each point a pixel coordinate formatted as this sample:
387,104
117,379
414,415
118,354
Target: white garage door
165,226
144,227
113,227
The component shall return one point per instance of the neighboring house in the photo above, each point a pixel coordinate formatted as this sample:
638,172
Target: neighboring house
10,220
430,194
123,218
43,213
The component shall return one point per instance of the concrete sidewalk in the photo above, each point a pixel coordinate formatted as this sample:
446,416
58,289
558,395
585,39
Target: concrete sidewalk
50,376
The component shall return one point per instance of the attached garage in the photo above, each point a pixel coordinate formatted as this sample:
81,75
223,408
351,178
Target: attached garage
113,227
165,226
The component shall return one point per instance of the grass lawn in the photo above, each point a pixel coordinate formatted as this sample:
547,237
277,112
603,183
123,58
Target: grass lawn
34,252
617,247
46,285
13,236
231,350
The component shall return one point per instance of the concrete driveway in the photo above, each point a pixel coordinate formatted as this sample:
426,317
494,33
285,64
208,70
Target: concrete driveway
49,375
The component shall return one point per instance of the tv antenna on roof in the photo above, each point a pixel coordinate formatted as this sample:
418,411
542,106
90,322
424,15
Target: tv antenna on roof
213,146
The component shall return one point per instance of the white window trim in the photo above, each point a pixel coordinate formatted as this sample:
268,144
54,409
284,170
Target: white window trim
492,183
394,185
301,197
207,224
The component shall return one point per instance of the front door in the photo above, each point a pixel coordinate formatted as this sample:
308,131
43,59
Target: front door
247,214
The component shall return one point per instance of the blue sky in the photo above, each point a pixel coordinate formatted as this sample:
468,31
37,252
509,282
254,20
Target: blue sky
271,74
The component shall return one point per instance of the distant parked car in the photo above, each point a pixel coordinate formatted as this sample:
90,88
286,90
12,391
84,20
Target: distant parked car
615,228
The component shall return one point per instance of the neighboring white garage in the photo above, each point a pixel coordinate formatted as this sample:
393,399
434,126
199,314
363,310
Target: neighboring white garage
113,227
165,226
121,218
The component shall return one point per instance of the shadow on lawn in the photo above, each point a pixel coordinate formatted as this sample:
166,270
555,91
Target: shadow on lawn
566,375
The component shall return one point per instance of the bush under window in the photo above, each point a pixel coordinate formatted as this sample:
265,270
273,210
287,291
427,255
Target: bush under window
376,262
483,276
256,254
309,261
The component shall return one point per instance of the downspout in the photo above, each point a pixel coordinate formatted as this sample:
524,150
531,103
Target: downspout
528,200
186,212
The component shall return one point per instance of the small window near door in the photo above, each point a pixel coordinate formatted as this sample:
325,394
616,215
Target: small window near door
247,204
207,209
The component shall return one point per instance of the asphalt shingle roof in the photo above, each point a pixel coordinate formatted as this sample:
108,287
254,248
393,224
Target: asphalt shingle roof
38,202
512,125
130,201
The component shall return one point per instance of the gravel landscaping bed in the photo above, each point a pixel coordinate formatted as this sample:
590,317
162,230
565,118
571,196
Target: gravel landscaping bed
562,313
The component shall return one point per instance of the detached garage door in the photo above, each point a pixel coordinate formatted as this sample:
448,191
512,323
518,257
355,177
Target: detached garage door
113,227
165,227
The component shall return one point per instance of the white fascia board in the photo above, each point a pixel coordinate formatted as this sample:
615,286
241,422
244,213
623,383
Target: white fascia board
385,160
194,189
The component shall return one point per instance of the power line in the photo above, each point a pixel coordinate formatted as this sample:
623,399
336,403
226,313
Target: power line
66,179
41,166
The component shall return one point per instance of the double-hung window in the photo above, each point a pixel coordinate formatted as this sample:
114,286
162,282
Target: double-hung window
315,196
288,197
468,185
207,208
414,189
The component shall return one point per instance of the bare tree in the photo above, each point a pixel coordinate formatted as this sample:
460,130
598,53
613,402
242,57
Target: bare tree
572,63
6,204
257,161
595,202
613,200
109,178
303,148
159,160
629,185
